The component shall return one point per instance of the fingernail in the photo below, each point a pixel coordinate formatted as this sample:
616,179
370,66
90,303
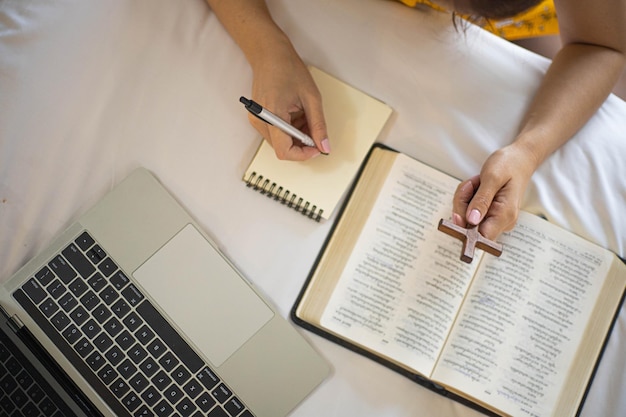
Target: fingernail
474,217
325,146
456,219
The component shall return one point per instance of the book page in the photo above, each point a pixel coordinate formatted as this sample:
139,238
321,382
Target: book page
523,319
403,283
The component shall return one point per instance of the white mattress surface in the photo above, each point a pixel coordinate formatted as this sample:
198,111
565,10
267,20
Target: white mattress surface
90,90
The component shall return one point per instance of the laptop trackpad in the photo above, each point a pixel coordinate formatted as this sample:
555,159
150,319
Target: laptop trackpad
203,295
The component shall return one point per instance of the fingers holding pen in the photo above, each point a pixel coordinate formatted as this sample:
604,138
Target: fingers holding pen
289,132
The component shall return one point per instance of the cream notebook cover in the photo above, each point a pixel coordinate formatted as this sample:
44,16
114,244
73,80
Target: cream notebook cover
314,187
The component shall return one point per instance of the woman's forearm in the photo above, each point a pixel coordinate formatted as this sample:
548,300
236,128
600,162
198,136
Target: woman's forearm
577,83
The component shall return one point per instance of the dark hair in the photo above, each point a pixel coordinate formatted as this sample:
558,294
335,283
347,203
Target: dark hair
499,9
483,12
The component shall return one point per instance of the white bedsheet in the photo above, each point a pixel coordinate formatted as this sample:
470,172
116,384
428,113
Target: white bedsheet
90,90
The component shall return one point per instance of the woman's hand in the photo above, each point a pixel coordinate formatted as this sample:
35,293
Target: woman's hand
492,199
283,84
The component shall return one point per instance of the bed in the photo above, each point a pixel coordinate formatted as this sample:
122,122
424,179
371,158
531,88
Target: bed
90,90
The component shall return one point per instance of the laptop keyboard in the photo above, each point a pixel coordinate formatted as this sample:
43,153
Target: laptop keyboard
23,392
115,337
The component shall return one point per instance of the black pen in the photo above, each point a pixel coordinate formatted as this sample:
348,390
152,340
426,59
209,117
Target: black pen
270,118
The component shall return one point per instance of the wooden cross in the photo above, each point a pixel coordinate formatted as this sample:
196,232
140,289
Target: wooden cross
471,239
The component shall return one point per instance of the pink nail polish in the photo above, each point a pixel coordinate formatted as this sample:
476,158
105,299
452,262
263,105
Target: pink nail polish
474,217
325,146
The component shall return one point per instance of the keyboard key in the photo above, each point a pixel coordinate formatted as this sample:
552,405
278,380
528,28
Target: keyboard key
205,402
171,338
103,342
119,388
91,329
113,327
217,412
79,315
161,380
101,313
62,269
137,353
19,397
139,382
4,354
163,409
13,366
149,367
185,407
109,295
95,360
169,361
107,374
234,407
72,334
221,393
78,287
56,289
125,340
76,258
36,393
151,396
144,412
114,355
97,282
6,403
193,388
48,307
173,394
131,401
24,379
156,348
83,347
119,280
120,308
90,300
208,378
107,267
34,290
96,254
47,407
44,276
126,369
60,321
8,383
132,321
144,335
68,302
181,375
30,410
132,295
84,241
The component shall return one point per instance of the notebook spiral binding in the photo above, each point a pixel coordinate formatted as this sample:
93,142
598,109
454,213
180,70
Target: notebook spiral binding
272,190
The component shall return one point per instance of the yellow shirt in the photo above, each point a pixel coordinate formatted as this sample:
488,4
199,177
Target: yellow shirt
538,21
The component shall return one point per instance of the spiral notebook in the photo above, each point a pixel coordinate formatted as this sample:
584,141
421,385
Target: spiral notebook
314,187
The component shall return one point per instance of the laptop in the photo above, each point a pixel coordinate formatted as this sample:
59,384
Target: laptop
134,311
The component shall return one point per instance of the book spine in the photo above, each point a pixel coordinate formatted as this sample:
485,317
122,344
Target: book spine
272,190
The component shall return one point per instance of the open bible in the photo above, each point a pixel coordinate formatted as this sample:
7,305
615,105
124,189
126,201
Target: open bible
517,335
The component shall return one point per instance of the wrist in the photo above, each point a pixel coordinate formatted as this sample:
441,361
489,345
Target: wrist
533,147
